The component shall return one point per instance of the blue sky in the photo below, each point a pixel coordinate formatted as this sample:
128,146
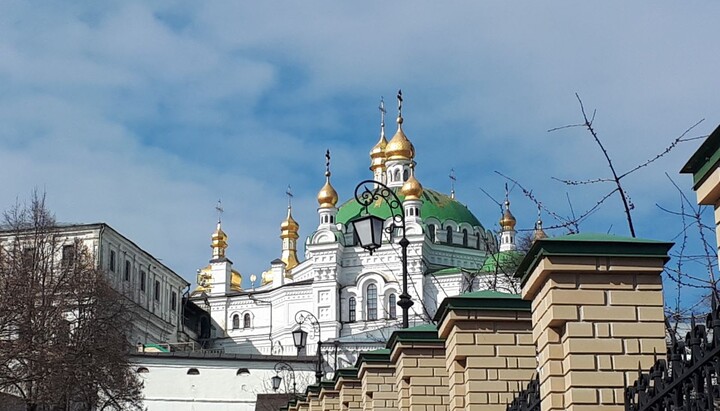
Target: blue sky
143,114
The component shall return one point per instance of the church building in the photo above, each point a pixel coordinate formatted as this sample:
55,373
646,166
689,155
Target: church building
351,292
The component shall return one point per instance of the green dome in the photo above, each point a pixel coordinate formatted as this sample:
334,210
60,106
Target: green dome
503,262
435,205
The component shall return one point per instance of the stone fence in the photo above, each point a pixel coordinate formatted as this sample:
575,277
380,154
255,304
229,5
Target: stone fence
590,314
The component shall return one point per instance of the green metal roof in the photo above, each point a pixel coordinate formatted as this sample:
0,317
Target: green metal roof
345,373
486,300
382,355
591,245
505,261
435,204
420,333
705,159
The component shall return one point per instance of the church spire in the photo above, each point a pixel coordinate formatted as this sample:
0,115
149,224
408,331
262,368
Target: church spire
289,235
539,233
399,152
219,238
377,154
507,226
327,197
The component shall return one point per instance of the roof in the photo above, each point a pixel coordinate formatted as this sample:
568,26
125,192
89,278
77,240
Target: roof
435,205
705,159
481,300
592,245
424,332
213,355
504,261
377,356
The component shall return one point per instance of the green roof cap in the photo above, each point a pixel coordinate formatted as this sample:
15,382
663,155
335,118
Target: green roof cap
382,355
704,160
420,333
434,204
345,373
592,245
486,300
313,388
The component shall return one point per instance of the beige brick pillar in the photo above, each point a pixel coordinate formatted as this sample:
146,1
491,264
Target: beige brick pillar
490,354
377,376
303,405
703,165
313,398
329,397
349,386
420,375
597,313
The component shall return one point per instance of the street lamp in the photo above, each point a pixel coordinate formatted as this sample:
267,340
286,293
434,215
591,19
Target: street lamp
277,379
300,338
369,229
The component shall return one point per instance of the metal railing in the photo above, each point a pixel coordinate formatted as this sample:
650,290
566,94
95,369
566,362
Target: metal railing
529,398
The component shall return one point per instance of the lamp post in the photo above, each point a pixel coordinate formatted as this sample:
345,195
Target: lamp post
277,379
300,338
369,229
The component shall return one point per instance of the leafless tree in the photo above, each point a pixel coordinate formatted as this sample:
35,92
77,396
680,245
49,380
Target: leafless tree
63,328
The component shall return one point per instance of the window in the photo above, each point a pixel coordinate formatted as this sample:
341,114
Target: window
236,322
128,266
372,302
173,301
392,306
397,175
68,255
449,238
193,371
352,305
143,370
246,320
142,280
431,232
406,175
112,260
157,290
465,237
242,371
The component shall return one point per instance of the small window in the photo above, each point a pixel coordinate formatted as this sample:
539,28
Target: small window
392,306
449,236
142,370
128,267
193,371
173,301
68,255
236,322
351,309
157,290
372,302
431,232
242,371
142,280
397,175
246,320
406,175
465,237
112,261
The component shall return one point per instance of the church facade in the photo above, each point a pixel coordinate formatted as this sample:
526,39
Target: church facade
351,292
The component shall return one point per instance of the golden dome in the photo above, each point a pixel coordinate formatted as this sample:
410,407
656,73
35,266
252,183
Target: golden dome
399,147
412,189
327,197
289,224
219,242
377,154
235,281
507,222
267,277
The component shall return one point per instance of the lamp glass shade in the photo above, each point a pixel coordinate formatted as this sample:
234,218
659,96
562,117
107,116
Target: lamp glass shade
369,231
299,338
276,380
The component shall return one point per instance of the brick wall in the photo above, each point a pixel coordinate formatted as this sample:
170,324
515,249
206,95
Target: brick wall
378,387
350,393
420,376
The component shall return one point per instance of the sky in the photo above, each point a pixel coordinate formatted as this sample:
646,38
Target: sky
143,114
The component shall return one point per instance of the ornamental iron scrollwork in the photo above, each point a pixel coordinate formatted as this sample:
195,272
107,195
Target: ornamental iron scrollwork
688,378
365,196
529,398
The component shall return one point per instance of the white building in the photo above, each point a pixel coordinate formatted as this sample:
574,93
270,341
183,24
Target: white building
351,292
154,288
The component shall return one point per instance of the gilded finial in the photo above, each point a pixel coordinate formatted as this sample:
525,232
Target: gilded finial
399,147
327,197
327,164
507,222
382,117
452,183
539,233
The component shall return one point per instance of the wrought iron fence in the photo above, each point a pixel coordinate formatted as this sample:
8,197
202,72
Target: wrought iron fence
688,378
529,398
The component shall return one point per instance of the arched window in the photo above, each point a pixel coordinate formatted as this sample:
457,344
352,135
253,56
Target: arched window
246,320
431,232
352,306
392,306
449,238
142,370
193,371
242,371
371,302
478,241
465,237
236,322
406,175
397,175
